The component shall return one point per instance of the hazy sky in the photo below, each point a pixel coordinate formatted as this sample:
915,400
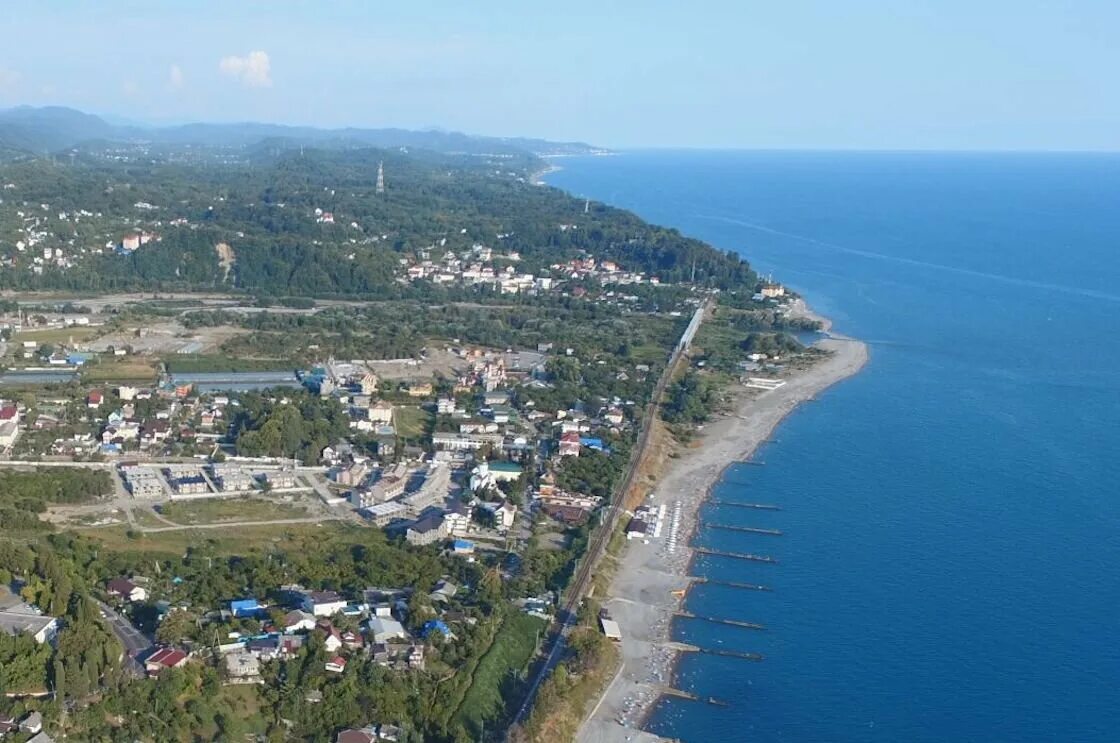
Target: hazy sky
983,74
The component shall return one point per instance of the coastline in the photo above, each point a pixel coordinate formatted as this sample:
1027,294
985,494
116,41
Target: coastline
537,177
651,580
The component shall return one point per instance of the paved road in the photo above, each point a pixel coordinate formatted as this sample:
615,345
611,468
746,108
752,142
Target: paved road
566,616
134,642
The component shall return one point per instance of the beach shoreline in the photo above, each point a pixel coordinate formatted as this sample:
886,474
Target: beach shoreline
653,578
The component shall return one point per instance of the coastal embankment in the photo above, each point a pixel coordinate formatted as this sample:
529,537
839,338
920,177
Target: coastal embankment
652,578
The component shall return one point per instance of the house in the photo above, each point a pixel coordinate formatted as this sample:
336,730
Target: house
337,664
420,389
32,723
323,603
382,411
569,444
368,383
245,608
610,629
232,479
504,471
383,514
23,619
457,517
190,485
9,431
614,416
298,621
352,640
280,479
505,514
384,629
427,530
637,529
445,590
123,588
350,476
592,442
164,658
569,515
354,735
333,639
94,399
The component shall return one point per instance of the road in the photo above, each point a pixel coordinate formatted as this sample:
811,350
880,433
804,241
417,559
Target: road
134,642
566,617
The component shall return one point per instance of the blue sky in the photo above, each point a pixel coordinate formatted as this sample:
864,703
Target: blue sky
942,74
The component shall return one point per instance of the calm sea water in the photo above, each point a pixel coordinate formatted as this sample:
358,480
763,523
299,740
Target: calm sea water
951,517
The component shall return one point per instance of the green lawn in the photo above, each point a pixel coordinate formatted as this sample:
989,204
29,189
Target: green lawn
114,369
206,362
229,509
511,652
240,540
58,335
411,422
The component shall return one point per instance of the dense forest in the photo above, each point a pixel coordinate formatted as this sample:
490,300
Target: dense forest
26,494
262,204
298,428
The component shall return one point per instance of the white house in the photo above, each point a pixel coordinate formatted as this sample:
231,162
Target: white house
123,588
381,412
384,629
298,621
323,603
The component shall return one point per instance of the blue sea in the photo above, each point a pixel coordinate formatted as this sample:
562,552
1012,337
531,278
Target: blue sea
950,564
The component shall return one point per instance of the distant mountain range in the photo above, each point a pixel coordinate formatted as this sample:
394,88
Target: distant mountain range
53,128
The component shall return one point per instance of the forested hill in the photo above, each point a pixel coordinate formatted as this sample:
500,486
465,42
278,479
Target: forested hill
309,222
29,130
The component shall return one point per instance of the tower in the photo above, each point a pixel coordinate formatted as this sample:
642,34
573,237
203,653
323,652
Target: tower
381,177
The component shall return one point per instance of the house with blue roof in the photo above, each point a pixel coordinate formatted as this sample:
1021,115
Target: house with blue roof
594,443
245,608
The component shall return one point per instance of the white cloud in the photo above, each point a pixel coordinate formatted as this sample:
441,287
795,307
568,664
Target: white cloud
175,76
253,70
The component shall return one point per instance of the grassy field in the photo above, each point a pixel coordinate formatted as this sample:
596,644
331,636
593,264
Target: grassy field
58,335
229,509
411,422
145,517
239,540
207,362
114,369
511,652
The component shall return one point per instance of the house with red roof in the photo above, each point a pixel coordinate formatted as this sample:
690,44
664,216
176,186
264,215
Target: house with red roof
164,658
569,444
